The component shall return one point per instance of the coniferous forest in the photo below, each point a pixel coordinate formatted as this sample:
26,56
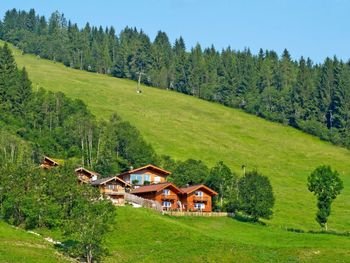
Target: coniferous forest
312,97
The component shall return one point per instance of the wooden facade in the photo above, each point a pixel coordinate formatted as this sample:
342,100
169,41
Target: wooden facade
113,188
86,176
167,194
48,163
148,174
197,198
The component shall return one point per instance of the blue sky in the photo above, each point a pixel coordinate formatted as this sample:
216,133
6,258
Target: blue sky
314,28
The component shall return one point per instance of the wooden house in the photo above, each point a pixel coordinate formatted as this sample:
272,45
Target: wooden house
148,174
167,194
197,198
113,188
48,163
86,176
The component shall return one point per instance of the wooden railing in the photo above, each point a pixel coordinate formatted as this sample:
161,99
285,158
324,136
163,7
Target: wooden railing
113,191
168,197
201,198
143,202
209,214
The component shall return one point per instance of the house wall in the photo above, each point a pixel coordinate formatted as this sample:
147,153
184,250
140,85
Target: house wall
153,174
160,197
189,200
83,176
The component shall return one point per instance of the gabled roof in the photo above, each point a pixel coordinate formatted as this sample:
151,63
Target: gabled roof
191,189
148,166
82,169
46,158
108,179
155,188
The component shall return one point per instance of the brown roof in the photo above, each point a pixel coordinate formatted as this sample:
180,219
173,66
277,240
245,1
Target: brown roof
107,179
149,166
51,160
82,169
191,189
154,188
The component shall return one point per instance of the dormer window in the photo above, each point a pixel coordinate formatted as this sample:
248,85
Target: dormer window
199,193
166,192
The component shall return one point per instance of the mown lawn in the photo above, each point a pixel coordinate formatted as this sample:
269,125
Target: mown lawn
185,127
144,236
16,245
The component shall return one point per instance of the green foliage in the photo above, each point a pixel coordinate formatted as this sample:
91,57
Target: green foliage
190,172
326,186
255,195
224,182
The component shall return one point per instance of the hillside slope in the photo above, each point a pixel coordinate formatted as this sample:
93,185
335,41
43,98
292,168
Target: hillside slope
18,246
150,237
185,127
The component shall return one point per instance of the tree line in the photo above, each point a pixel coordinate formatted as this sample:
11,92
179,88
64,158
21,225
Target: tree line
312,97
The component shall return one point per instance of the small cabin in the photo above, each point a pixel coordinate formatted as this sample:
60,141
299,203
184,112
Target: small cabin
113,188
145,175
86,176
197,198
167,194
48,163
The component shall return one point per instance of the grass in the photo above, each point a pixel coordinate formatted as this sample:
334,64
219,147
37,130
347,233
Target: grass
17,245
185,127
150,237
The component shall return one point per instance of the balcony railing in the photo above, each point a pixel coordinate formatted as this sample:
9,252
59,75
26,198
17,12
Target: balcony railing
168,197
113,191
201,198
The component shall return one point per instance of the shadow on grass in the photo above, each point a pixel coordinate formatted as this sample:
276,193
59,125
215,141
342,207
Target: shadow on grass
247,219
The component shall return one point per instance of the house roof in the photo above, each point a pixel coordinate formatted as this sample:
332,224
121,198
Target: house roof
108,179
46,158
191,189
154,188
148,166
82,169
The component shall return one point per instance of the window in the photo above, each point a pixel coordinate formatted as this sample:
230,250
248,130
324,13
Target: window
136,177
166,204
157,179
199,193
147,177
110,186
166,192
199,206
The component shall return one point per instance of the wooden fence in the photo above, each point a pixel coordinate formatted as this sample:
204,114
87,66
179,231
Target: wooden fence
206,214
130,198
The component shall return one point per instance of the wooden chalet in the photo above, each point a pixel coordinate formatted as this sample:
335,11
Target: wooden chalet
86,176
148,174
113,188
48,163
165,193
197,198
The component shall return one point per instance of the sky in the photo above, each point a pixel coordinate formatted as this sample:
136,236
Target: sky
309,28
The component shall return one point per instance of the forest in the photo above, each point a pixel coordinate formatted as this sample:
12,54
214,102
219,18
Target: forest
312,97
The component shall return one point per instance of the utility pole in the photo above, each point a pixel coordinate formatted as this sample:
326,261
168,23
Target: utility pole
138,88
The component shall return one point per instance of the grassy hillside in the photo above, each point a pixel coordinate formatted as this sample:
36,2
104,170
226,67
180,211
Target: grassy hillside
19,246
150,237
186,127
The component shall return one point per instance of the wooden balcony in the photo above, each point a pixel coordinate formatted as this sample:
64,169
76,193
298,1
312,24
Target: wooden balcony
168,197
107,191
200,198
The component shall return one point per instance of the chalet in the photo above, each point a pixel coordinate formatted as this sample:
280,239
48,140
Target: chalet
197,198
113,188
165,193
86,176
48,163
148,174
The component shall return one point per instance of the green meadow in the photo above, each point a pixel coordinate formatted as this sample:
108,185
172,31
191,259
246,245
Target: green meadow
150,237
16,245
186,127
